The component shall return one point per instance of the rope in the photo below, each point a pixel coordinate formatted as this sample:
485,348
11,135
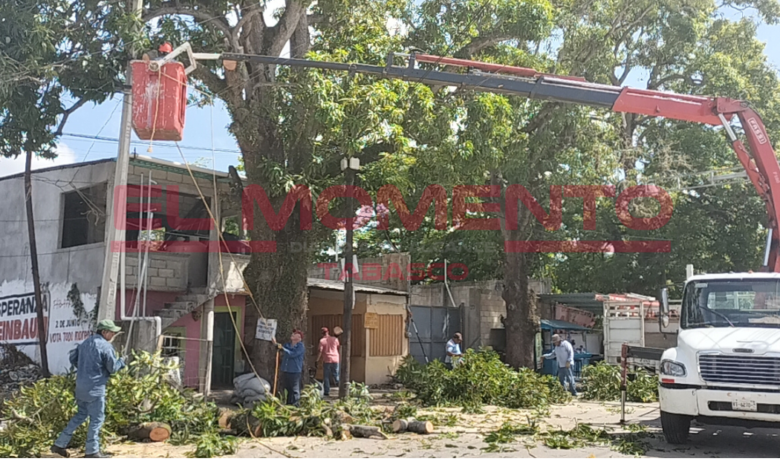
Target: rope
222,267
156,108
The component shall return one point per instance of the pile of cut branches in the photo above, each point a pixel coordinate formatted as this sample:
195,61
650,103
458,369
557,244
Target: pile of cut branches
602,382
314,416
136,395
480,379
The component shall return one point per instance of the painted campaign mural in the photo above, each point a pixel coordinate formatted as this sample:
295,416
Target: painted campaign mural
69,316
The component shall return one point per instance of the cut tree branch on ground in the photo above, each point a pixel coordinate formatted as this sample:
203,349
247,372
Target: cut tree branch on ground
367,432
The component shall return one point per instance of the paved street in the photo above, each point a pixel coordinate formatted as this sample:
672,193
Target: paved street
466,440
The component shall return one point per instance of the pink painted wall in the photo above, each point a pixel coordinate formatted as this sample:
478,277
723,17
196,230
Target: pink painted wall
157,301
192,330
192,349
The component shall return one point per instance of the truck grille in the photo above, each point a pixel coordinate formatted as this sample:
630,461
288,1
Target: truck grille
740,369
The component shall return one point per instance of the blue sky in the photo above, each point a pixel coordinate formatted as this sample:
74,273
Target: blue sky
203,123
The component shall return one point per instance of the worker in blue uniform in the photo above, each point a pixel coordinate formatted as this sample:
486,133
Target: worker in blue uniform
95,361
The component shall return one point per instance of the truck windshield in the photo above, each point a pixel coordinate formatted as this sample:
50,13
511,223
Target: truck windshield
727,304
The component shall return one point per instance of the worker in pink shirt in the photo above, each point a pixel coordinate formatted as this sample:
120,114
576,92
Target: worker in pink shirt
329,355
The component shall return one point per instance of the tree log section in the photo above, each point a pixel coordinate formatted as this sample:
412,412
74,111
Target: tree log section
155,432
400,425
367,432
420,427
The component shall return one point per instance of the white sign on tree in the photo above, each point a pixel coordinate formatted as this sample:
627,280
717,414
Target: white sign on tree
266,329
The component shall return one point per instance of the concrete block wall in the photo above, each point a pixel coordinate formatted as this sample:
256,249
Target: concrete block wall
166,272
492,308
484,305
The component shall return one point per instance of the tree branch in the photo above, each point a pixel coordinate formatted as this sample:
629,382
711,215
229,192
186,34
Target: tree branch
665,80
253,10
300,40
541,117
203,17
66,114
284,29
480,43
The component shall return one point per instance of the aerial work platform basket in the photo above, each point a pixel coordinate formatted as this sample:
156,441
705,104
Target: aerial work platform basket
159,100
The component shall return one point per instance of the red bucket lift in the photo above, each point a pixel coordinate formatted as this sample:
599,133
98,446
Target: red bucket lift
159,100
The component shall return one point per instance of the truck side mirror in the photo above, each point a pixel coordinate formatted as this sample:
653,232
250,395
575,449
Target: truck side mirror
663,317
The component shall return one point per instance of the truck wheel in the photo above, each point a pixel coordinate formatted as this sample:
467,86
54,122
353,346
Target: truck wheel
676,427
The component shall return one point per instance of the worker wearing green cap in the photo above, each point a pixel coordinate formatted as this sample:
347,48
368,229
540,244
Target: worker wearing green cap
95,361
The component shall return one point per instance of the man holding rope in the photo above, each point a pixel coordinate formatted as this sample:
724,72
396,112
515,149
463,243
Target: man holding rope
292,366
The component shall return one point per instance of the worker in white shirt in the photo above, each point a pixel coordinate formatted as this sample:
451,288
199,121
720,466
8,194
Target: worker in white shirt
564,354
454,354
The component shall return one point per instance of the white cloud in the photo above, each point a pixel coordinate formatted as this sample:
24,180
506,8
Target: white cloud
13,166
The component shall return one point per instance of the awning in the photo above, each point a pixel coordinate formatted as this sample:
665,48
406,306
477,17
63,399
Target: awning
562,325
592,302
332,284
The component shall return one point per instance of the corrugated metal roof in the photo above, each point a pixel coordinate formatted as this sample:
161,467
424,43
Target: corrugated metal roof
591,301
330,284
561,325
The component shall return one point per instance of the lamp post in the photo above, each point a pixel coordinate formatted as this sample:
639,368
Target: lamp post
349,166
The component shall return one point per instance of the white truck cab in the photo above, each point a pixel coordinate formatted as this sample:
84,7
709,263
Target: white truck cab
726,366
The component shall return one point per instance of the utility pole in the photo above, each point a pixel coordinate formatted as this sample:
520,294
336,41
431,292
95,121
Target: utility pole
42,333
349,166
114,262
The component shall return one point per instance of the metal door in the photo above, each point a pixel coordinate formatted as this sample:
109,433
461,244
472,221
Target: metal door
435,326
224,355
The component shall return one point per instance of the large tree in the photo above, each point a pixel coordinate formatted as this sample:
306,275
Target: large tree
294,126
686,47
52,62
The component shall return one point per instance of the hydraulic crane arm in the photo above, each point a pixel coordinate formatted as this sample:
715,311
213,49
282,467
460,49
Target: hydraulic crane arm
760,161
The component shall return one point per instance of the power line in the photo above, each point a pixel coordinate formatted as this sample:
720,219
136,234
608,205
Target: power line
157,144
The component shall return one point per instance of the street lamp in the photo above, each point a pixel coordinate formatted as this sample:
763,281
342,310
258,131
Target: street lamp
349,166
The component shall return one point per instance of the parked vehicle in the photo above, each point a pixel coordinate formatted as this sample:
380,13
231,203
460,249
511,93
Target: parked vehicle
633,319
725,368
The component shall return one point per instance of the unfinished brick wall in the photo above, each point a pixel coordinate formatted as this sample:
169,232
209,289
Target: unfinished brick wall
165,272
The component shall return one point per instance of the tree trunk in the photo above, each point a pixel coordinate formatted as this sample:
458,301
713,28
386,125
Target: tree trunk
521,323
278,284
34,262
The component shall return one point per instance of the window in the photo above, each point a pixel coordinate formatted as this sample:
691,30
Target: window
173,344
84,216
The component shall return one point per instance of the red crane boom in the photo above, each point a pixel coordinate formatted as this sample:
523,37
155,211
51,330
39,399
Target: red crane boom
759,161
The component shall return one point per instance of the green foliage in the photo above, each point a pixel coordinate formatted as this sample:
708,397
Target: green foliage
507,432
405,410
448,420
211,444
602,382
314,416
55,55
139,393
581,435
480,379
